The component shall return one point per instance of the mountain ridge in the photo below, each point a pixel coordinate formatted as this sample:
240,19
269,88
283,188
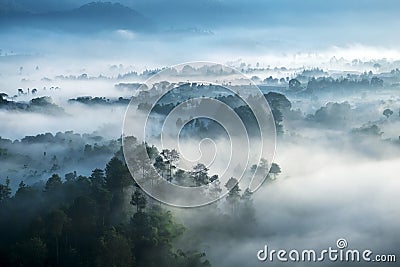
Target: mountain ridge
93,16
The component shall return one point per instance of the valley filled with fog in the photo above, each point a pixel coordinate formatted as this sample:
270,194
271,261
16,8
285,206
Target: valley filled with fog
337,150
100,119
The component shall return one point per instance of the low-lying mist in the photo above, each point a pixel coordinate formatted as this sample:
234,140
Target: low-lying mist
325,192
338,153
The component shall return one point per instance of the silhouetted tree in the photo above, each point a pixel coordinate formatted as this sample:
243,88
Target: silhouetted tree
200,174
246,209
233,196
70,176
143,161
376,82
295,85
159,164
5,190
139,200
275,170
55,223
117,175
115,250
387,112
97,177
171,156
215,187
53,183
31,252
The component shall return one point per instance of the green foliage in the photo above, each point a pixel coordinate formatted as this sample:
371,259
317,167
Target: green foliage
279,104
233,196
171,156
114,250
151,234
191,259
5,190
31,252
139,200
97,177
249,119
160,165
74,223
200,174
117,175
334,114
152,151
53,183
33,157
55,223
349,82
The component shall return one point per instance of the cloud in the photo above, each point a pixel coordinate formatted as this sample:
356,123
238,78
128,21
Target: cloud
125,34
322,195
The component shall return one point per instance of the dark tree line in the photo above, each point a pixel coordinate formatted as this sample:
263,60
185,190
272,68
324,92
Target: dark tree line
88,100
106,219
164,163
278,103
34,157
86,221
42,104
322,84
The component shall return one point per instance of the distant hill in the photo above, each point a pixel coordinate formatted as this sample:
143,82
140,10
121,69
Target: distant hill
95,16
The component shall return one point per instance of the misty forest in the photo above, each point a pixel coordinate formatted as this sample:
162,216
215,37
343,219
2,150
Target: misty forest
70,195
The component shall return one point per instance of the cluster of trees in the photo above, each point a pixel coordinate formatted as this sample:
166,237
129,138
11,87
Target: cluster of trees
134,74
314,72
3,99
339,114
121,76
28,91
164,163
333,114
105,219
236,205
329,83
35,157
88,100
40,105
86,221
279,105
368,130
163,109
45,104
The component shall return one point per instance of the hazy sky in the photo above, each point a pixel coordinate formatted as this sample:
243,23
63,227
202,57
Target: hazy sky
274,32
